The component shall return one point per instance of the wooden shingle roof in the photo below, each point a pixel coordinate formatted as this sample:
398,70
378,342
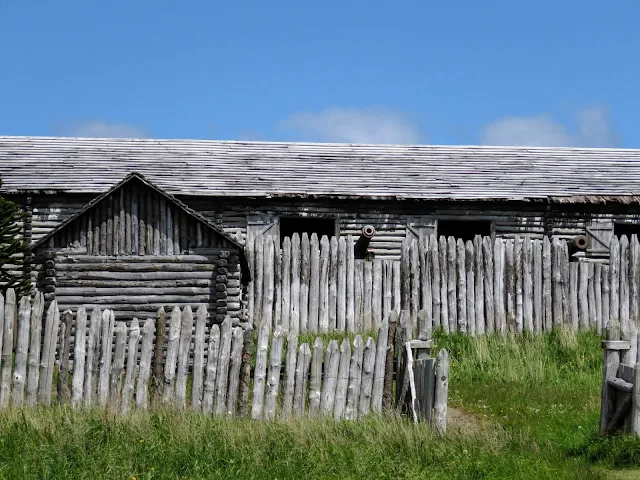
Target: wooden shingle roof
276,169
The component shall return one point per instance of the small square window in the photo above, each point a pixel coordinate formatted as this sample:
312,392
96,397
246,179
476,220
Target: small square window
464,229
310,225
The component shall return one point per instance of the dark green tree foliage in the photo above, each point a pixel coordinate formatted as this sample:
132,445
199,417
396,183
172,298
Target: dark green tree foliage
12,249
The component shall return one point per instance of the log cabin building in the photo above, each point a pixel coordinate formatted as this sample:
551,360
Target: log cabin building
196,202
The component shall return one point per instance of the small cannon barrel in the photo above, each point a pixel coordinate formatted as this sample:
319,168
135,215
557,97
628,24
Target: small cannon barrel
578,243
361,246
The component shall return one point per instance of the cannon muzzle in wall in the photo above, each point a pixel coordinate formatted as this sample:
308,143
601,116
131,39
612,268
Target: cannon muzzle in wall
360,250
578,243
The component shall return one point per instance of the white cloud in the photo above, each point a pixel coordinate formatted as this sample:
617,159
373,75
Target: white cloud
592,129
353,125
99,128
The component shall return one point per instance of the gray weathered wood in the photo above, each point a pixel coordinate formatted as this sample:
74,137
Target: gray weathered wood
444,279
395,266
198,358
294,318
237,339
441,392
315,377
510,284
624,287
350,315
379,366
211,369
611,363
330,378
479,286
37,311
367,292
538,313
343,380
583,305
305,273
634,285
405,275
260,372
597,283
48,352
620,384
158,361
355,379
368,369
277,283
527,284
499,286
424,282
461,262
290,372
286,284
376,295
614,280
452,284
222,371
258,279
7,348
268,289
79,356
573,296
131,365
314,283
487,253
302,374
605,298
414,274
146,353
591,295
547,279
172,355
519,313
117,365
106,336
22,350
275,367
341,314
558,284
358,283
470,287
92,368
333,284
435,281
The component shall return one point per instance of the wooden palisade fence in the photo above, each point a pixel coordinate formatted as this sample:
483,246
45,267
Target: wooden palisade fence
480,286
101,363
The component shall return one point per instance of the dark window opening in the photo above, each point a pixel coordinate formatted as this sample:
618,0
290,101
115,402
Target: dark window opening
626,229
464,229
310,225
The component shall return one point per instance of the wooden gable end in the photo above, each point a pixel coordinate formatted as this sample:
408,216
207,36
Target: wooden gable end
135,219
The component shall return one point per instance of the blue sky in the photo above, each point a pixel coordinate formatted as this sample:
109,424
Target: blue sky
546,73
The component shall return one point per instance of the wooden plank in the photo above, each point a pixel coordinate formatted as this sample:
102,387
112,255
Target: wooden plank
92,368
314,283
558,303
330,378
605,297
250,254
614,280
499,286
591,294
355,379
315,378
389,361
171,359
341,314
387,287
434,257
489,299
538,313
405,275
379,366
414,274
131,365
22,351
527,284
286,284
510,286
275,366
367,291
290,371
333,284
625,328
634,287
343,380
351,317
237,339
7,348
583,305
376,295
395,266
573,296
294,321
158,361
268,289
146,353
117,365
209,388
441,392
368,369
461,263
547,280
305,273
79,356
48,350
470,287
610,370
37,311
197,384
424,280
597,283
444,279
359,294
479,286
258,280
517,257
277,283
302,373
260,372
451,284
222,370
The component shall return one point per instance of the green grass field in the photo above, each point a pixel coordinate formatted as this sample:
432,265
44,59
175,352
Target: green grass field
521,408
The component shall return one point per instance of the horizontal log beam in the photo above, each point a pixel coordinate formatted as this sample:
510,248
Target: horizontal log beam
616,344
620,385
